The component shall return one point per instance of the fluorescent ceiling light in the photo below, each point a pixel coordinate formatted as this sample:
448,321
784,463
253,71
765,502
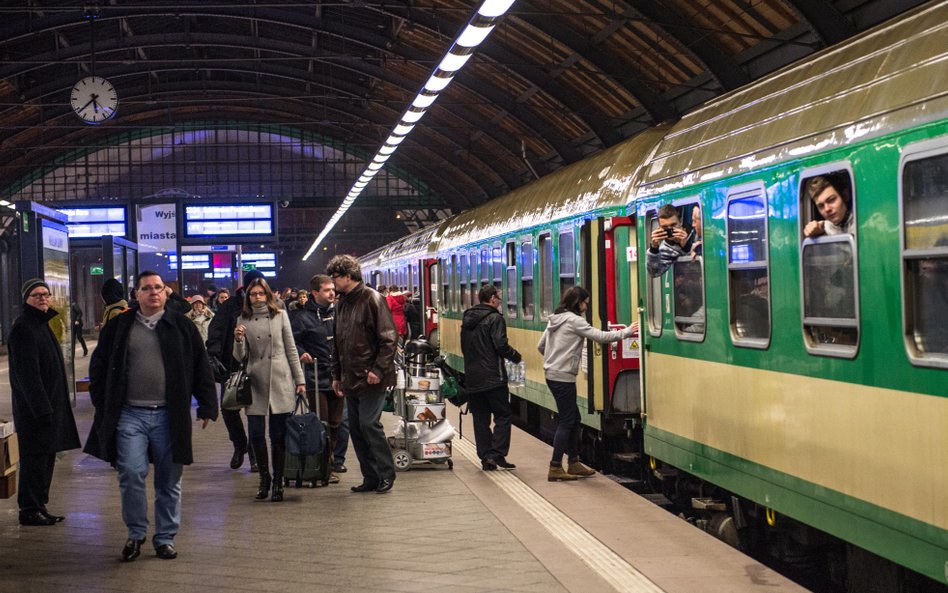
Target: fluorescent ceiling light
411,116
472,36
494,8
436,84
453,62
423,101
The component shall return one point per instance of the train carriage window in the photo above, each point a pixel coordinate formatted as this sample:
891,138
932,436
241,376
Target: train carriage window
434,272
485,266
446,272
465,299
546,275
748,267
511,270
924,193
526,279
473,279
828,265
567,261
688,277
654,290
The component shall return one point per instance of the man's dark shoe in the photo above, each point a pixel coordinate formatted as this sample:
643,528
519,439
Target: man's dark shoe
166,552
385,486
363,487
132,549
238,458
56,518
339,468
488,465
35,518
502,463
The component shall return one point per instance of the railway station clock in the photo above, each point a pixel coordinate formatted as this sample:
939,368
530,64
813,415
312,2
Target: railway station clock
94,99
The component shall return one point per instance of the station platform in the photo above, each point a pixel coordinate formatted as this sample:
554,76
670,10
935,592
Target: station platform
438,531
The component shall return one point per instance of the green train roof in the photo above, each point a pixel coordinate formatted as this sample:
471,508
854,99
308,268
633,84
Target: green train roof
599,181
888,78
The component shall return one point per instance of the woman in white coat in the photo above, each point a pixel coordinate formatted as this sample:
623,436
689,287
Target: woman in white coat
264,338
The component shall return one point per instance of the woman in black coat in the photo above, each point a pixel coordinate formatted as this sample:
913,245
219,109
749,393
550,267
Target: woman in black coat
41,407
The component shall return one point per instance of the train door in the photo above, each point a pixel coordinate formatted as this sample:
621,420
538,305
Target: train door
612,275
430,283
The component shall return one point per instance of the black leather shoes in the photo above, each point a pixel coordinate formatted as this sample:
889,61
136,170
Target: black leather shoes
385,486
238,458
339,468
56,518
363,487
166,552
502,463
132,549
488,465
34,518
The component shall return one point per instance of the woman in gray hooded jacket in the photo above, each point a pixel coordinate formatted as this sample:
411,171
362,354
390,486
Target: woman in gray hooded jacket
562,348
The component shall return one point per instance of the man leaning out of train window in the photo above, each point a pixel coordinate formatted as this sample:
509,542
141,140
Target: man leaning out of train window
832,199
670,240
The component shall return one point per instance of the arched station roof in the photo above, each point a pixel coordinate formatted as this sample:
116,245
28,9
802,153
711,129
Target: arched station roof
558,79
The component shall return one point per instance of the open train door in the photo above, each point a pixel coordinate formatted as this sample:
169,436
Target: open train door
611,273
430,282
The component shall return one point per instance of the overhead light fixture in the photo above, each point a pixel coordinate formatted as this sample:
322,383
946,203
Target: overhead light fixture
478,28
436,83
411,116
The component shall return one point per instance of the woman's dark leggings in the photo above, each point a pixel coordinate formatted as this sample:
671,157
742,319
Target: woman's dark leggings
256,428
566,438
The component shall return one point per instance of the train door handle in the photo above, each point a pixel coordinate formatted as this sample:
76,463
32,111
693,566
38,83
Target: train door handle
614,349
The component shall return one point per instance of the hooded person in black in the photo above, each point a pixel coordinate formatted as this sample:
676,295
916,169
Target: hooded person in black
484,345
114,297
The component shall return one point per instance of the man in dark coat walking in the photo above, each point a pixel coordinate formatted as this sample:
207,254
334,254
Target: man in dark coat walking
143,409
41,407
363,368
484,346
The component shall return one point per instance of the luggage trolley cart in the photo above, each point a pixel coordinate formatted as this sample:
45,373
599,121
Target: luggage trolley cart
423,435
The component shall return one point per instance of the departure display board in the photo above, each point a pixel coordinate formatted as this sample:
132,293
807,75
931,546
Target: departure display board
216,220
92,222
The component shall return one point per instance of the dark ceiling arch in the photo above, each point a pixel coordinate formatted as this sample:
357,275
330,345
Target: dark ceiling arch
545,90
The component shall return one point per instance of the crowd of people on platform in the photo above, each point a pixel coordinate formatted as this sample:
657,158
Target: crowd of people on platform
333,345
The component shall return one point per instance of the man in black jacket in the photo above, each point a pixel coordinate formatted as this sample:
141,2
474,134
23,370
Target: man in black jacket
143,409
41,407
313,328
484,346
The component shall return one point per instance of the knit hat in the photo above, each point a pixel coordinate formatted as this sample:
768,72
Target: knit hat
251,276
112,291
31,284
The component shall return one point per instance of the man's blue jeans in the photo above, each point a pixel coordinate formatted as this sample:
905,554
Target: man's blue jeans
143,434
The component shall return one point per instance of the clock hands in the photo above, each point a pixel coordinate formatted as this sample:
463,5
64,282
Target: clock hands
93,102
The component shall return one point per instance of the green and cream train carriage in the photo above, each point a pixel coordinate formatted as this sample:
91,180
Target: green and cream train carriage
804,377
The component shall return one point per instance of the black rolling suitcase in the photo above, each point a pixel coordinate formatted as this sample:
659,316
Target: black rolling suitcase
302,467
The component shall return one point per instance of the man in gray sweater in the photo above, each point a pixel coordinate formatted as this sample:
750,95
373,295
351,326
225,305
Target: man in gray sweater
148,363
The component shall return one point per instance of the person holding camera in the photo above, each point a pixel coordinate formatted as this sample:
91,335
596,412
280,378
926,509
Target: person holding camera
669,241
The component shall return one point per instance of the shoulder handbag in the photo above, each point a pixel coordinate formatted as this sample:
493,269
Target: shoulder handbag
236,394
304,432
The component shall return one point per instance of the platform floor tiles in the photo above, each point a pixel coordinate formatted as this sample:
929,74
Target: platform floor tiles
438,531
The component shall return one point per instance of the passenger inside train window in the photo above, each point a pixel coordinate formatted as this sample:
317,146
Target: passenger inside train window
831,195
669,241
931,303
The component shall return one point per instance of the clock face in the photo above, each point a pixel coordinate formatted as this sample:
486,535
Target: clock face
94,99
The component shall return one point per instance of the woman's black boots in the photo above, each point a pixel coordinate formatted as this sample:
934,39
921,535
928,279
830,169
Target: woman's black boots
279,459
260,452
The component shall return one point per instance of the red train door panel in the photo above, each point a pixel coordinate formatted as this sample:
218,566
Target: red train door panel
614,368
